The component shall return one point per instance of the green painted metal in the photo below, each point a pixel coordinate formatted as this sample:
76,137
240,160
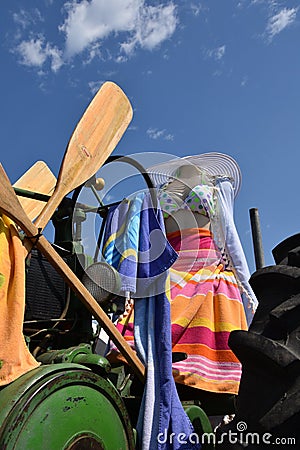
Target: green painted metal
63,407
201,425
81,354
30,194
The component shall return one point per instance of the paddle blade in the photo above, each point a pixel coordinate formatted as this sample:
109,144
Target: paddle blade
96,135
10,205
93,140
37,178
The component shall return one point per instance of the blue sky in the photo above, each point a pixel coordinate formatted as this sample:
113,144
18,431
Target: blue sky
201,76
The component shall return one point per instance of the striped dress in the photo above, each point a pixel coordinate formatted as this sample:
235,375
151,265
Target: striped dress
205,307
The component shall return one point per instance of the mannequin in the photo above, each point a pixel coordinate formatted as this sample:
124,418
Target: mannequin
205,299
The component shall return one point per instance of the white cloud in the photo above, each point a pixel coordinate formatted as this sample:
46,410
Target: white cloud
35,52
148,73
154,25
154,133
26,18
121,59
95,86
56,57
128,24
244,81
197,9
220,52
94,51
32,52
217,73
280,21
132,128
217,53
94,21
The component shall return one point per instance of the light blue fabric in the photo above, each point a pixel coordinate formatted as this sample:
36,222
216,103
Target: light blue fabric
161,412
225,231
121,238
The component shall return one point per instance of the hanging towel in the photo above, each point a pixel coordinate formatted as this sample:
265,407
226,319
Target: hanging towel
224,229
121,238
15,358
131,246
162,422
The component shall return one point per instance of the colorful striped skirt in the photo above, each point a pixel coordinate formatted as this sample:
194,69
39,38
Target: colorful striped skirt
205,307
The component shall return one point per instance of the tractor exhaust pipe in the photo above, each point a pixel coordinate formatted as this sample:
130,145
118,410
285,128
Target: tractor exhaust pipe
257,238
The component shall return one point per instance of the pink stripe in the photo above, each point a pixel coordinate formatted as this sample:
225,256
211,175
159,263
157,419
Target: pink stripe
190,288
113,346
186,365
203,374
236,367
215,340
129,329
212,364
191,241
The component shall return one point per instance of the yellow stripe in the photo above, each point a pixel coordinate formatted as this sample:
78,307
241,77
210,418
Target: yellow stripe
203,271
114,236
204,322
127,253
217,386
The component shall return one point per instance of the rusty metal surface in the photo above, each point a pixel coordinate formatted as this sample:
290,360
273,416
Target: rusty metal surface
60,406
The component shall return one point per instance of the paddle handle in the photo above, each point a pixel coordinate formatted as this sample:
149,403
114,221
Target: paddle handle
88,300
49,209
44,216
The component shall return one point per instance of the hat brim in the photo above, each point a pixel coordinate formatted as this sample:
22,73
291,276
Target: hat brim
214,163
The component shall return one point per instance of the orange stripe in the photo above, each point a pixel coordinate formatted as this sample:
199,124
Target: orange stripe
225,387
218,309
128,338
203,350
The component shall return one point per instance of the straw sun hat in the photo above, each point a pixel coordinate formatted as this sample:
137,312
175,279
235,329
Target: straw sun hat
215,164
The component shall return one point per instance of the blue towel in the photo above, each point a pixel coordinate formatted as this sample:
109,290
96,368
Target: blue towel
121,238
161,412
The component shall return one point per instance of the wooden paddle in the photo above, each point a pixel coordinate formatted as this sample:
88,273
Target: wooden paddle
10,206
37,178
94,138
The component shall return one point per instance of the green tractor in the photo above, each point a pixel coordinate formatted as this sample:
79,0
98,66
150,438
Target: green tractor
75,399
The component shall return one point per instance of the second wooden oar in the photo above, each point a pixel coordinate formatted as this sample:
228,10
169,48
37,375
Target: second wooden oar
38,178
